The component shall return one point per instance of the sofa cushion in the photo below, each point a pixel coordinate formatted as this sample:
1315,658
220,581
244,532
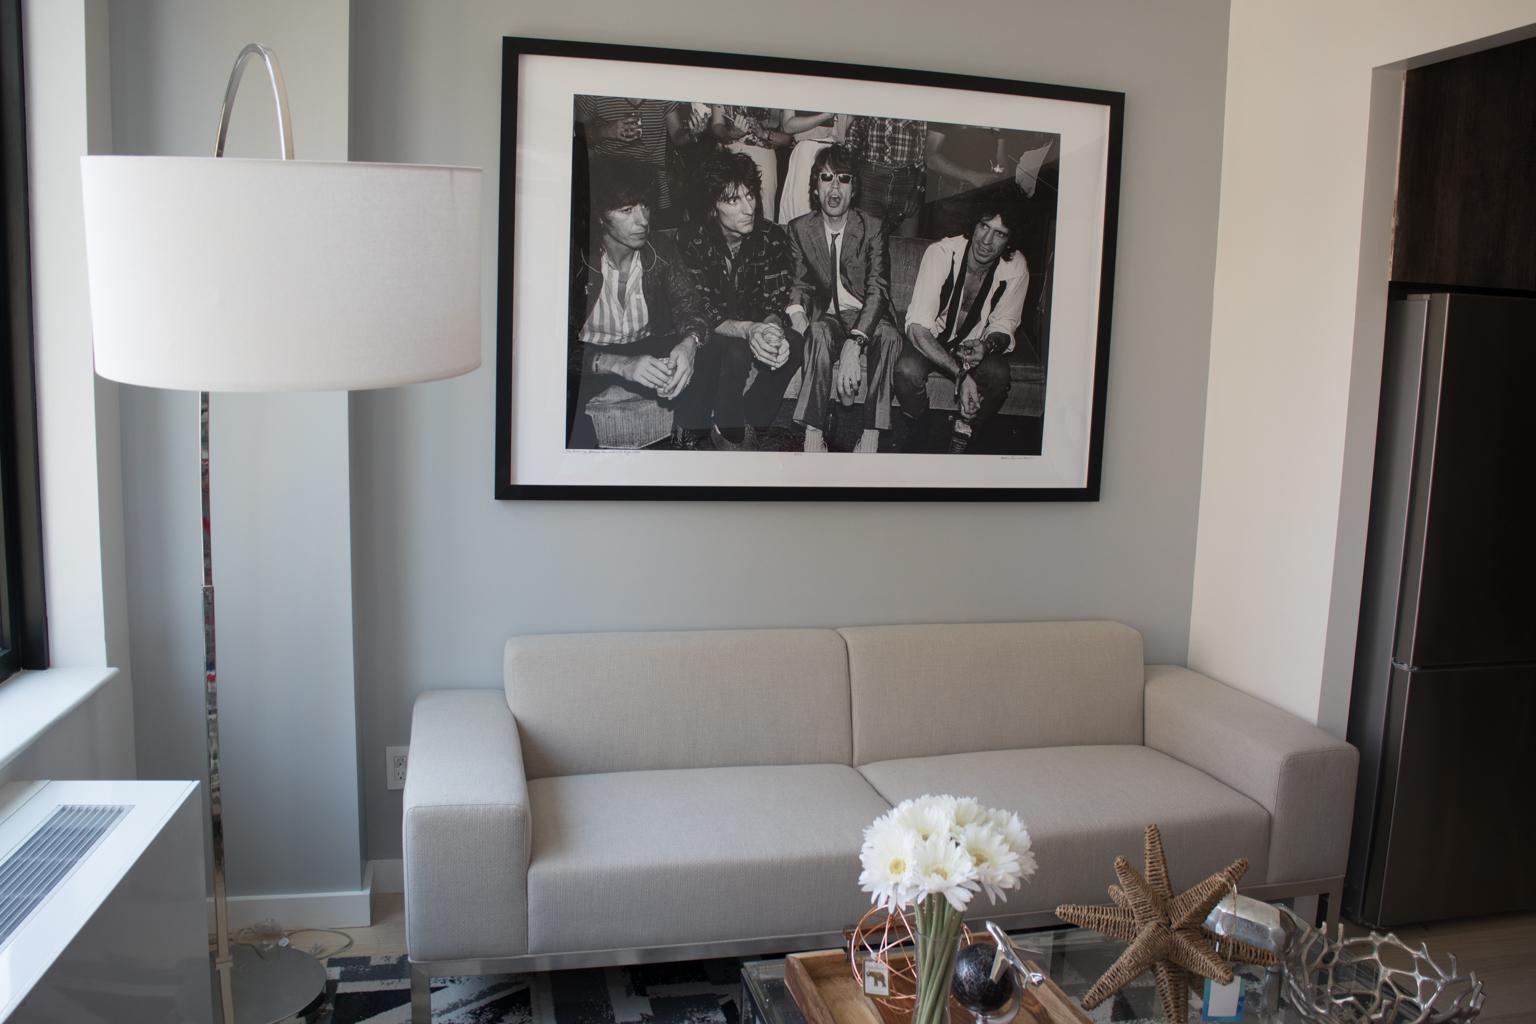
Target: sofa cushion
951,689
1084,806
646,859
610,702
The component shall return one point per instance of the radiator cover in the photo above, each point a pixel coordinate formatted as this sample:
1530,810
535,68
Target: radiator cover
102,903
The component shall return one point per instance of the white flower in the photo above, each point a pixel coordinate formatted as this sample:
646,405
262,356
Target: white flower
1013,830
889,873
1027,865
997,865
927,816
944,803
1017,835
941,845
884,825
944,869
968,811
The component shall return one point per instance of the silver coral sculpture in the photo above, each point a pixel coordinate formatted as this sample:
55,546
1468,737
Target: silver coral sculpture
1377,979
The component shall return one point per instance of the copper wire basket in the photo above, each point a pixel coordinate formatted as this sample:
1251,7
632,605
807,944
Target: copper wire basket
886,937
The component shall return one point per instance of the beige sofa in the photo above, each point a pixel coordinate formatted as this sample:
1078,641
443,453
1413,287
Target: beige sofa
655,796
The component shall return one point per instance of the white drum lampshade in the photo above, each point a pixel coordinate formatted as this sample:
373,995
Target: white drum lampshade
220,274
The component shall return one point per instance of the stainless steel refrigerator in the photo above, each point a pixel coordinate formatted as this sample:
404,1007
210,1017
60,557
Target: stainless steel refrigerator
1444,702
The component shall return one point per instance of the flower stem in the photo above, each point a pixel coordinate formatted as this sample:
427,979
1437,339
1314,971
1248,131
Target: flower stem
938,933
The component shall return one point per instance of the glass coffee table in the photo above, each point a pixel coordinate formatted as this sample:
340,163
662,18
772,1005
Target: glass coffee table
1074,958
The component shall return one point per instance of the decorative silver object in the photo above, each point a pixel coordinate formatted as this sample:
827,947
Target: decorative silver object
1252,921
1263,926
1377,979
1007,951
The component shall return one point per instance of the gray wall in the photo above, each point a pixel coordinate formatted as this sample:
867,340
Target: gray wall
443,573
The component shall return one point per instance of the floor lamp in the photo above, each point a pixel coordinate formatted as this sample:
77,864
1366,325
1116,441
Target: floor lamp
211,274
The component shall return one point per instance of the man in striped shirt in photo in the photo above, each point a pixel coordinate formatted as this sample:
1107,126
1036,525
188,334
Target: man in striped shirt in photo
636,318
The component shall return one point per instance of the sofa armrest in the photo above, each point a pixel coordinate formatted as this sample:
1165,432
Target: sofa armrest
466,829
1304,777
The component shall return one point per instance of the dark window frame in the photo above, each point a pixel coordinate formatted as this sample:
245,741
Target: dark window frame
23,618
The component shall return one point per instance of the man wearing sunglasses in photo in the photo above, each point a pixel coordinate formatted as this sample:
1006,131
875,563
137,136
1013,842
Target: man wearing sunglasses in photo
841,301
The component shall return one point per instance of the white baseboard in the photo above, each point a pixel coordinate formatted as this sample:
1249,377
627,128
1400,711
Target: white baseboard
388,875
351,908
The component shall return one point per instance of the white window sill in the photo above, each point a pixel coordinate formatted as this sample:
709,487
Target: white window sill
31,702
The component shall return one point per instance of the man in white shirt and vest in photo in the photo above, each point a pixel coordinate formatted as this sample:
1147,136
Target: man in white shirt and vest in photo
965,308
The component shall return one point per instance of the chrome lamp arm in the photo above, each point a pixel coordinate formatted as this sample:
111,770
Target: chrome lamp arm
279,98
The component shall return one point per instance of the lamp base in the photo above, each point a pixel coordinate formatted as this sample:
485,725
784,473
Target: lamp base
269,985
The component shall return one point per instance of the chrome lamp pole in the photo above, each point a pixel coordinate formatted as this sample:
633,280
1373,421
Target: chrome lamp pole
256,985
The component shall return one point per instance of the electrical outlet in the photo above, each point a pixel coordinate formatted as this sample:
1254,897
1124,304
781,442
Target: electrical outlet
395,763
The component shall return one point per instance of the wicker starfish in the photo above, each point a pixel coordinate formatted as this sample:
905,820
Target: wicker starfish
1165,931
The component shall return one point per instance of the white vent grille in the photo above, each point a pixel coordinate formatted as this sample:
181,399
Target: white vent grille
47,856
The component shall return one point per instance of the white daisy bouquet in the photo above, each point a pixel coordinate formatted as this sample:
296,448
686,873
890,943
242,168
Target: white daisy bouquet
931,855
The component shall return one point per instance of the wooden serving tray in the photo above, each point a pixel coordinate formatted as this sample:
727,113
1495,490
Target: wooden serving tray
826,992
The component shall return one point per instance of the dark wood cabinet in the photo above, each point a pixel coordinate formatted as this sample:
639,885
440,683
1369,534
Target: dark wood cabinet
1466,188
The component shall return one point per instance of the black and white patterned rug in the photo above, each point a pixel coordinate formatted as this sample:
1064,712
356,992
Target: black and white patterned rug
377,990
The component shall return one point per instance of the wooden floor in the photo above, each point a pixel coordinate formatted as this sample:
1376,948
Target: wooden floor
1502,950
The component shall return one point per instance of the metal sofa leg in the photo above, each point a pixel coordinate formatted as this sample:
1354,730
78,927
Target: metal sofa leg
1335,904
421,995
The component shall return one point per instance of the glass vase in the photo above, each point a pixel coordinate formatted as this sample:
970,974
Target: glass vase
937,927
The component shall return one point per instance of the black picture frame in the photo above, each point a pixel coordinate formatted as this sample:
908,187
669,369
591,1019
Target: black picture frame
532,162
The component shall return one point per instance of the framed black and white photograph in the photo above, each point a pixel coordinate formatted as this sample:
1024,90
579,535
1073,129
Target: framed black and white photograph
730,276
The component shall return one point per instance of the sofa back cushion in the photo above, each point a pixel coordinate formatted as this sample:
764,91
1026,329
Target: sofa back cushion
609,702
953,689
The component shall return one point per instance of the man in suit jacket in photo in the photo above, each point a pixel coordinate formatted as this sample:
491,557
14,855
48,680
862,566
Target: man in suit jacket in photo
845,313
